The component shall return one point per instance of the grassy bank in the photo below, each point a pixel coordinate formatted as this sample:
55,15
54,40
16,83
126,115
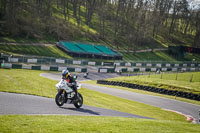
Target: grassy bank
145,92
177,81
53,51
74,124
148,56
35,50
30,82
157,56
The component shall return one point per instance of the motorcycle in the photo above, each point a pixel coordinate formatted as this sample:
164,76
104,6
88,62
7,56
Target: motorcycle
66,94
85,75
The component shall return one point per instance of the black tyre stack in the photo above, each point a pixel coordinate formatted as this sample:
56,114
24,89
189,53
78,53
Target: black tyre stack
182,94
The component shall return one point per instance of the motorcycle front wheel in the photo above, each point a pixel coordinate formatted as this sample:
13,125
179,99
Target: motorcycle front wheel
60,98
79,103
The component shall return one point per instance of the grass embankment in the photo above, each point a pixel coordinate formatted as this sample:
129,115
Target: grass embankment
156,56
53,51
149,56
74,124
145,92
177,81
35,50
30,82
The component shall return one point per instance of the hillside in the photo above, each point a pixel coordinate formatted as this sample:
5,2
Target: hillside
122,25
50,50
47,50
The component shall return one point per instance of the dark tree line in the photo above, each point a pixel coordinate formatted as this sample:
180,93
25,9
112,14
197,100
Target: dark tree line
136,22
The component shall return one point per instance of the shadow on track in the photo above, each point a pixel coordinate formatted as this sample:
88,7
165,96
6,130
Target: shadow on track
82,110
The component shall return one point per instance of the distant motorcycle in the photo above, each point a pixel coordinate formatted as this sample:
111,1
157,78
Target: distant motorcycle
67,95
85,75
119,72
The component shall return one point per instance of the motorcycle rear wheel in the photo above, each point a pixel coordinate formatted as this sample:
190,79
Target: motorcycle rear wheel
60,98
80,101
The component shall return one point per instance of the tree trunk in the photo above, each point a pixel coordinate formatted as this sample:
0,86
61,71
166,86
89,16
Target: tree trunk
186,27
57,3
197,40
102,18
68,9
173,19
79,12
197,26
3,7
64,9
11,16
91,5
74,8
116,19
48,10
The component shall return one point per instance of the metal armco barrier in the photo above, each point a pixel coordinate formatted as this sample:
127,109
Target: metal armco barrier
152,89
142,69
43,67
143,64
120,66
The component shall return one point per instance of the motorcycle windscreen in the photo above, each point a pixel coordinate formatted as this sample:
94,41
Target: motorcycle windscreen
63,85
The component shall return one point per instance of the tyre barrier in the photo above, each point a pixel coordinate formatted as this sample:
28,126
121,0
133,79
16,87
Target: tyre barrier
176,93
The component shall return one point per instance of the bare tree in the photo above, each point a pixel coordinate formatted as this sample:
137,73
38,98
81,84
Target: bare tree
90,9
197,28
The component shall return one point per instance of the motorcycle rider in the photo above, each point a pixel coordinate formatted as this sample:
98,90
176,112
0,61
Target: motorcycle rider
71,82
85,75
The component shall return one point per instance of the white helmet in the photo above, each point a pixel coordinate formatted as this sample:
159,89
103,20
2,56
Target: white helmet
65,73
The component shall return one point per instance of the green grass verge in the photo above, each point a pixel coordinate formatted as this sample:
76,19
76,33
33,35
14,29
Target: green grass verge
161,56
80,124
145,92
148,56
45,38
30,82
190,57
167,81
53,51
27,82
37,50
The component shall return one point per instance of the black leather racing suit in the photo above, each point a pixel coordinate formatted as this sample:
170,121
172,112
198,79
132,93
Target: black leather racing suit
72,84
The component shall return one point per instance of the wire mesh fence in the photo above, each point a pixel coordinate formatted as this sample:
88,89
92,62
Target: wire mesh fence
178,76
53,60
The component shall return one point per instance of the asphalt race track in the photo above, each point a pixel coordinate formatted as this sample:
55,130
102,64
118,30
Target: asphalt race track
11,103
91,76
164,103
